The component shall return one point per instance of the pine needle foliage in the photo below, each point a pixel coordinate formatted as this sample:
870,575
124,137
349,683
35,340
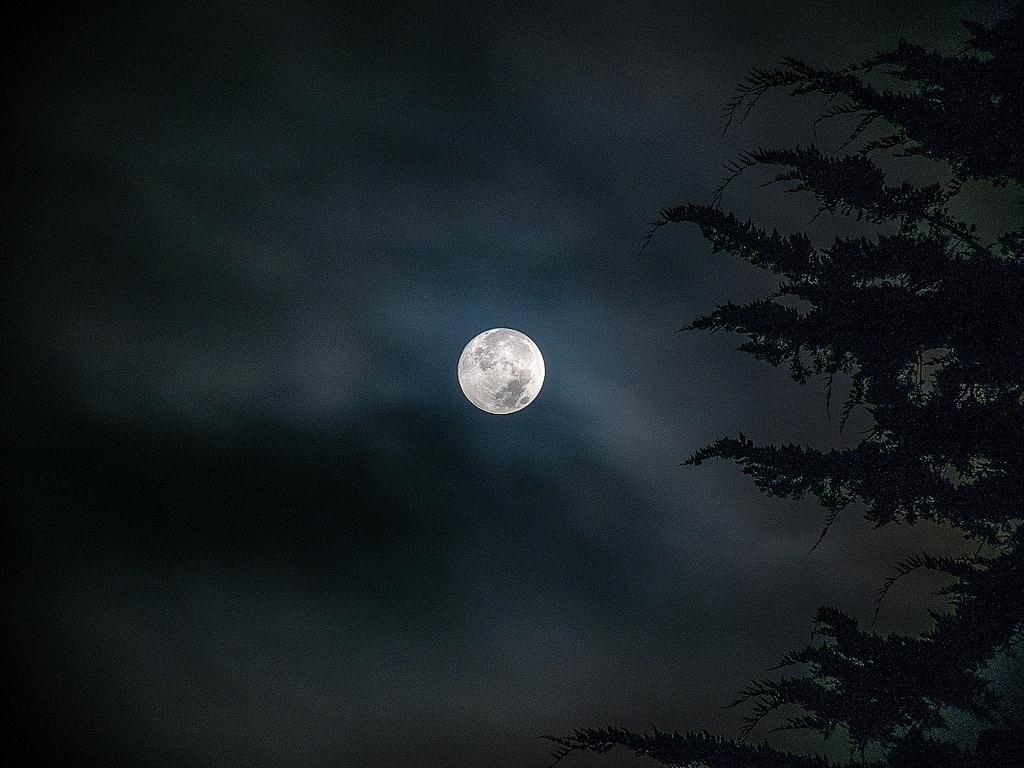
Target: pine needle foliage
926,321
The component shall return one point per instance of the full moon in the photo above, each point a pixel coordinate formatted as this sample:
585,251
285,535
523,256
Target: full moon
501,371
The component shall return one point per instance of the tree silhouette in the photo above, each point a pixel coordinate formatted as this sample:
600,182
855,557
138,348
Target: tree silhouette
926,320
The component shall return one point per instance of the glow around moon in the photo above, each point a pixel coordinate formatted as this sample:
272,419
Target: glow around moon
501,371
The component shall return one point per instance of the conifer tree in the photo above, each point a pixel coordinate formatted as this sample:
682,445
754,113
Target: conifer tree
926,320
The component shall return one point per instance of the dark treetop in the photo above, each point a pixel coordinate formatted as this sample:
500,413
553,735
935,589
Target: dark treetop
924,320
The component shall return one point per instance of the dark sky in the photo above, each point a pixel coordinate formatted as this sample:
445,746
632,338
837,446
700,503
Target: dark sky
251,519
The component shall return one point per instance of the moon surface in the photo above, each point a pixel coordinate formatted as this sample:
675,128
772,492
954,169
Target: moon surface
501,371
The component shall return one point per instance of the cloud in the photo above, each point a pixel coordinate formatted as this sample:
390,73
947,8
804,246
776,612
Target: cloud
306,573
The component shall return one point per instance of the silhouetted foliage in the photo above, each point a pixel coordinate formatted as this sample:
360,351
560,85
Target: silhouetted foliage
927,323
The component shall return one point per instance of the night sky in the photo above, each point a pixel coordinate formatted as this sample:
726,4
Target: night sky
250,518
